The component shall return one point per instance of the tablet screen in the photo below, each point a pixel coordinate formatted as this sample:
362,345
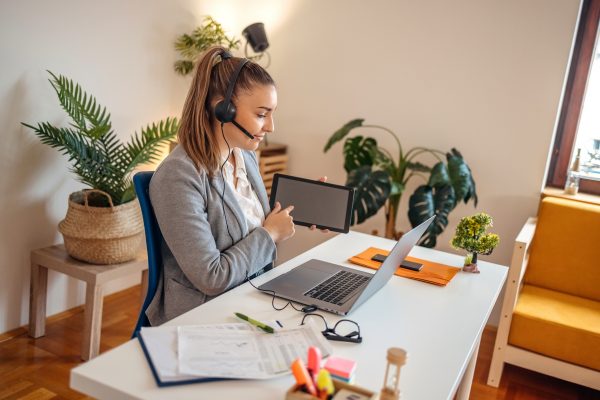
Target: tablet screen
325,205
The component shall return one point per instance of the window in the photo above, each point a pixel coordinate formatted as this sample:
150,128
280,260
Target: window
579,122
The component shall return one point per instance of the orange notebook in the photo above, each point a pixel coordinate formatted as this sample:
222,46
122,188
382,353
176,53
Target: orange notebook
438,274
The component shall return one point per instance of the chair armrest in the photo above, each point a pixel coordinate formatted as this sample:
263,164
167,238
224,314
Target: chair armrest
526,234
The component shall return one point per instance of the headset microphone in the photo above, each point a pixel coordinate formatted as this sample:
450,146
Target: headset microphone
244,131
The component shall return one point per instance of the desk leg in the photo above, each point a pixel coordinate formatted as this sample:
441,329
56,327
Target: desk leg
464,388
37,300
92,317
144,286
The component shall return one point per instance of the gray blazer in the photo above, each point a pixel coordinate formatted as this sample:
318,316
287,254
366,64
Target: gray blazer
200,260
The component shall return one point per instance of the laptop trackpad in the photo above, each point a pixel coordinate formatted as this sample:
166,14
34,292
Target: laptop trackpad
302,278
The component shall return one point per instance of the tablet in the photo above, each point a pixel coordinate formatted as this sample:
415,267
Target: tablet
325,205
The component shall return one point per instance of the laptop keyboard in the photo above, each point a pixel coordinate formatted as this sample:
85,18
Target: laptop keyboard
337,287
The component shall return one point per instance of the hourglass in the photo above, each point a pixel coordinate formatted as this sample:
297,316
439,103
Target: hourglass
396,358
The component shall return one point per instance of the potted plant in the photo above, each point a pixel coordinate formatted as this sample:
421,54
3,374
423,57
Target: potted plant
470,235
103,225
380,180
190,46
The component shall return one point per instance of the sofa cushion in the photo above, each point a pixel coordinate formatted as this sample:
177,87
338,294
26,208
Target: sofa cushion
565,251
557,325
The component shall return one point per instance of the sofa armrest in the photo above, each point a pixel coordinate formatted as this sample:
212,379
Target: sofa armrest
516,271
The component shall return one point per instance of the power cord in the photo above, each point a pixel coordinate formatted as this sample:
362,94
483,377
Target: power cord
272,292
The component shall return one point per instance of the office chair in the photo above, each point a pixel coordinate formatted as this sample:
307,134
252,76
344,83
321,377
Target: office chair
141,183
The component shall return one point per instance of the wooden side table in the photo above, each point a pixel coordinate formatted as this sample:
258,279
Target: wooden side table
95,277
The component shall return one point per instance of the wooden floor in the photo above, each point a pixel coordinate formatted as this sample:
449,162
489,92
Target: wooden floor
39,368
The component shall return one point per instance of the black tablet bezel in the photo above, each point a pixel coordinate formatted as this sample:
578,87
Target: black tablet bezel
350,191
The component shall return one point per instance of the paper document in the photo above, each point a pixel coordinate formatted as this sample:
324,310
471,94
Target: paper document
233,350
226,352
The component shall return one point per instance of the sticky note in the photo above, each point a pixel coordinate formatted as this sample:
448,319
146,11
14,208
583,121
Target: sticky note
341,367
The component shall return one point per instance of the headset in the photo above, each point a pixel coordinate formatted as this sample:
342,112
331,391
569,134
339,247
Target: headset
225,109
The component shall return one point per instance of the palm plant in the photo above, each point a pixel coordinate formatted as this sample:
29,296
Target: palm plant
98,158
190,46
380,181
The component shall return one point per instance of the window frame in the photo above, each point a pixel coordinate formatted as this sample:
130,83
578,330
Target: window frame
566,131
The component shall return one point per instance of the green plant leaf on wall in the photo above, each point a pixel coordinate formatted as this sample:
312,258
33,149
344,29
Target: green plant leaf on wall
372,188
342,132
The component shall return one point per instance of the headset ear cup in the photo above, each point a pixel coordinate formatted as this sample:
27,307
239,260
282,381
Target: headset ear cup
225,112
221,111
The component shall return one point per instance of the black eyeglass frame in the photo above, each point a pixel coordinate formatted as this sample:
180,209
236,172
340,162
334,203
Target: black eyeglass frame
331,334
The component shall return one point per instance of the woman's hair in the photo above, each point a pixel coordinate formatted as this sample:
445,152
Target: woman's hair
211,79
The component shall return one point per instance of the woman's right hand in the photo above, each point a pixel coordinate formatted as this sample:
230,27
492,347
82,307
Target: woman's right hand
279,223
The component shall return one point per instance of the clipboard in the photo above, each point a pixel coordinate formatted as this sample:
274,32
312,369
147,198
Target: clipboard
161,382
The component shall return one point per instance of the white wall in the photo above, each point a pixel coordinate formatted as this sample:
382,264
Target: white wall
483,76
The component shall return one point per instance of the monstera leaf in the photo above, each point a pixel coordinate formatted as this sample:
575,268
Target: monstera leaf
427,201
372,189
358,152
461,177
342,132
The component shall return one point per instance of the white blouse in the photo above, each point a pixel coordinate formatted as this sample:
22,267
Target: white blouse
245,195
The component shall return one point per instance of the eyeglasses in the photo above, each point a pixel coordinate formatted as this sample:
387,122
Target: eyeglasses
344,330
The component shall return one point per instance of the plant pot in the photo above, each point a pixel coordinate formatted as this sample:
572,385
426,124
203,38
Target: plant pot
102,235
471,268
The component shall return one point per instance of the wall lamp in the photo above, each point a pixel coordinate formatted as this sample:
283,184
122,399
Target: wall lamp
256,37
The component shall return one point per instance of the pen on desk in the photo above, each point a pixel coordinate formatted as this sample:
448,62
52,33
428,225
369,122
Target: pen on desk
256,323
279,323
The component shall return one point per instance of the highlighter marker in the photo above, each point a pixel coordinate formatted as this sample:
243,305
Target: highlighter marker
314,362
325,384
303,379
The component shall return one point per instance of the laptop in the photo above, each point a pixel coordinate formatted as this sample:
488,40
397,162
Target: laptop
337,289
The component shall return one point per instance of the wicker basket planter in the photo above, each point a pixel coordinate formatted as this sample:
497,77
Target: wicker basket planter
102,235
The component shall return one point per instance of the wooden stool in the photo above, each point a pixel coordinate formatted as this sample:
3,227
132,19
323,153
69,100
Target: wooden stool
95,276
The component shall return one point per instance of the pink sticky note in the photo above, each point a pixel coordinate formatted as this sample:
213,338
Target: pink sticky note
340,366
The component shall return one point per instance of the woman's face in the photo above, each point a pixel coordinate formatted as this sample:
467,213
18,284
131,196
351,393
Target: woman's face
255,114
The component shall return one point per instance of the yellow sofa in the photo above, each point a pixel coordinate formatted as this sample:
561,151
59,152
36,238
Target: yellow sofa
550,319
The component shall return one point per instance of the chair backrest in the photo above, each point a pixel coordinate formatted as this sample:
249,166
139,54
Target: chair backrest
564,251
141,183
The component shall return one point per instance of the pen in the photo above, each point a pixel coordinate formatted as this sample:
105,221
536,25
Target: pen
256,323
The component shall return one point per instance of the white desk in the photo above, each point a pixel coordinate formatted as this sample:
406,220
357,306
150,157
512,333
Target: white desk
439,327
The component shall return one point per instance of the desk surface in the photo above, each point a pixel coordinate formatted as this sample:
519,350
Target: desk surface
439,327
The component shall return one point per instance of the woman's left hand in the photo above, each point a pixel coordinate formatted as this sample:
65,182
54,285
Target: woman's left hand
314,227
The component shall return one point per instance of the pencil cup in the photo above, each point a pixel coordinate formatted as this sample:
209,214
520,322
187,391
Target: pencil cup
294,393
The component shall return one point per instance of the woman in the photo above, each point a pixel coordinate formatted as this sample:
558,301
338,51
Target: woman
208,195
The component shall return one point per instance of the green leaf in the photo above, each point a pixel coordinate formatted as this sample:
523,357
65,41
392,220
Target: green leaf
191,46
359,152
87,115
397,188
183,67
145,146
417,167
342,132
461,177
439,175
427,201
372,189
